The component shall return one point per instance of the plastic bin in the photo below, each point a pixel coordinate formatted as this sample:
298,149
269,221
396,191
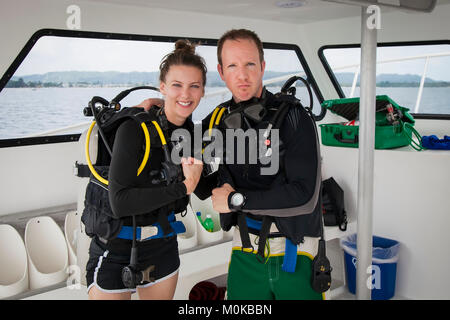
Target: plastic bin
206,207
384,265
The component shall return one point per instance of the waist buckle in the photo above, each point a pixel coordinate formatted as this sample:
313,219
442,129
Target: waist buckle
147,232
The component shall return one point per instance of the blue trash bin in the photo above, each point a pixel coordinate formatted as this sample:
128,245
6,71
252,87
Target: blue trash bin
384,265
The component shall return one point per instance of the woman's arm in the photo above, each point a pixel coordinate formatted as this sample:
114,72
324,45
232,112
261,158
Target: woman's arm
127,196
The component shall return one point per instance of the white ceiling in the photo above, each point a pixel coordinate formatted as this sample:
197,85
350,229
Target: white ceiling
313,10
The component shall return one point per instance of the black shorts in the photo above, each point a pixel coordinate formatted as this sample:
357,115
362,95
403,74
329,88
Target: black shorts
105,264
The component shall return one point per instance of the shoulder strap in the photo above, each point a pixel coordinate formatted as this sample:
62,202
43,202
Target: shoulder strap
217,115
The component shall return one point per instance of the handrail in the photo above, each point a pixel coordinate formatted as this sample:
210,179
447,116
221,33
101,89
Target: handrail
222,92
422,80
225,91
63,130
431,55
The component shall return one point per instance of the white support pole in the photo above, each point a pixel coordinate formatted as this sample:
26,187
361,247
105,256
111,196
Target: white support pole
366,155
422,82
355,80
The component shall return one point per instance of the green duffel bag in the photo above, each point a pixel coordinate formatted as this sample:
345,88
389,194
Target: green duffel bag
394,125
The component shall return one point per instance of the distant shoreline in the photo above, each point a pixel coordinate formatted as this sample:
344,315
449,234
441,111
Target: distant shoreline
94,79
60,85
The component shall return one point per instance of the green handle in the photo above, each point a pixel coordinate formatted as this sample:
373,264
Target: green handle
338,137
416,146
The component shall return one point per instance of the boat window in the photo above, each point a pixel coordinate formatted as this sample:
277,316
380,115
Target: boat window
46,92
416,76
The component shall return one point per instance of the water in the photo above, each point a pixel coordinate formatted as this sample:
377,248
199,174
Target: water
27,111
434,100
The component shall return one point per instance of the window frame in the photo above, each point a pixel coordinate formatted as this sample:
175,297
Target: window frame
14,142
338,88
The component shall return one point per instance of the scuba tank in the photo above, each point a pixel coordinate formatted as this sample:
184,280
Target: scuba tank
97,215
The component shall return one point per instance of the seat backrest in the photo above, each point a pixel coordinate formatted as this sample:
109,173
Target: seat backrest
13,262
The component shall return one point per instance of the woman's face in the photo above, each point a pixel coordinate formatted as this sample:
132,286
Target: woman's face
183,88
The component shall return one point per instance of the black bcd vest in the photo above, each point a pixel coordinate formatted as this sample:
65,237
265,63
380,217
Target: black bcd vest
296,227
98,216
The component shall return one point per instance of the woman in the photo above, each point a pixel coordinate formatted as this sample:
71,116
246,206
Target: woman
182,82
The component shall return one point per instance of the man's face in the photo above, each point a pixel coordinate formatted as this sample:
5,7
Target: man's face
241,69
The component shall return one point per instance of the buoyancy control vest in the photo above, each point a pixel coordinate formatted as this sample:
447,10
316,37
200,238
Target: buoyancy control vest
98,216
292,223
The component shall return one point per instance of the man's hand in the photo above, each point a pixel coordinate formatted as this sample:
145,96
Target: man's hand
148,103
220,198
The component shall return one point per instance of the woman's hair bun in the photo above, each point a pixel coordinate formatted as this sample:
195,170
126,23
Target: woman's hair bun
185,45
184,54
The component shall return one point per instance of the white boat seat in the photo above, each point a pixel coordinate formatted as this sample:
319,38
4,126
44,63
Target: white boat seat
47,252
13,262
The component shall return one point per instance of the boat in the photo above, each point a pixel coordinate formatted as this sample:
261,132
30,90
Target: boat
400,193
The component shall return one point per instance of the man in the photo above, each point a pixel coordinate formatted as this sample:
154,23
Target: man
284,207
278,215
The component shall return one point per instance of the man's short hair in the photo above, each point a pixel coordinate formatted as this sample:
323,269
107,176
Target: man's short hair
237,34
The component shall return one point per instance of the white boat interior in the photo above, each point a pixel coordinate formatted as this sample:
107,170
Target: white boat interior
38,188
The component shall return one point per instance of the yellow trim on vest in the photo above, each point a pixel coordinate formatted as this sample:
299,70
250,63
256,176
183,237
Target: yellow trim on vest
302,253
146,154
88,157
219,116
211,122
161,135
147,148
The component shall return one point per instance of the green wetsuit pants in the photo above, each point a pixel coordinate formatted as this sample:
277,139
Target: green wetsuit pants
249,279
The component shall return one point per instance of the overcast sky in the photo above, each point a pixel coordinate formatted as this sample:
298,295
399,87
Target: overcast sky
63,54
73,54
438,67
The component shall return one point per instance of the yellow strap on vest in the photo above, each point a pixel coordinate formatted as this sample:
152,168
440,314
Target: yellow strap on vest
161,135
147,148
88,158
219,116
211,122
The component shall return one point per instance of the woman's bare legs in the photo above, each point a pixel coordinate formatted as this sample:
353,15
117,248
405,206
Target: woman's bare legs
163,290
96,294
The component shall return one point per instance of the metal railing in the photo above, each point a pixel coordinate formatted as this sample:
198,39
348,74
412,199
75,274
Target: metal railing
79,127
427,57
224,92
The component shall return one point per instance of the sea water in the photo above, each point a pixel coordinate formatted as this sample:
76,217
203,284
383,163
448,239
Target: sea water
29,111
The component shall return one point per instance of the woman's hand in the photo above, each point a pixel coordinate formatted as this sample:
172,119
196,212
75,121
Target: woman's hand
148,103
192,169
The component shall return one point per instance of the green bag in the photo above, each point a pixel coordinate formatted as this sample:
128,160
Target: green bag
394,125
